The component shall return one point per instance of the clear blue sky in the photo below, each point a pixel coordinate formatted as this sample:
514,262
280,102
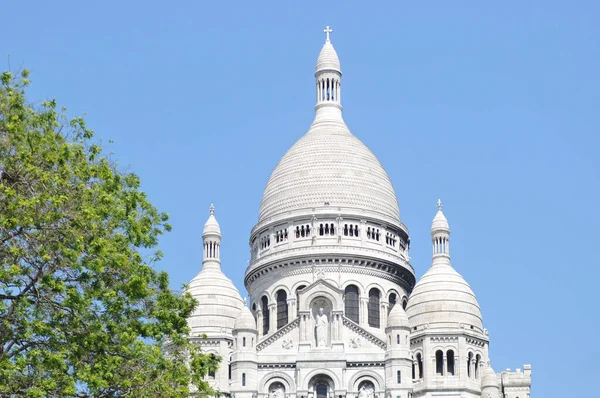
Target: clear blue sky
495,108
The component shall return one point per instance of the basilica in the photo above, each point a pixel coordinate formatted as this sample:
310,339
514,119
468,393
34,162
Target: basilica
334,307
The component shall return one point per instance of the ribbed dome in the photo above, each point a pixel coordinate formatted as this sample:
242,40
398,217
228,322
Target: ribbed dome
211,227
328,58
442,298
397,317
439,223
245,320
489,379
219,303
329,167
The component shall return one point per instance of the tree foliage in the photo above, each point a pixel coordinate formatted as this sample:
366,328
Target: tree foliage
82,309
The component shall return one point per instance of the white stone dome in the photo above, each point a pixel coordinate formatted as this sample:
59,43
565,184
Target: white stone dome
329,167
328,59
245,320
212,226
443,299
397,317
219,303
440,223
489,379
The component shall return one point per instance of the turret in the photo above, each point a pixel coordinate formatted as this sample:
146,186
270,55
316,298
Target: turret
244,361
489,383
398,361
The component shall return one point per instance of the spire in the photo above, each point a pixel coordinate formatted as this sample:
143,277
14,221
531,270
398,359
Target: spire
440,234
328,75
211,238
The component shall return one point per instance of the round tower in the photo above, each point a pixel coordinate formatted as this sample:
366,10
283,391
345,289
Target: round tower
244,360
219,303
448,339
398,357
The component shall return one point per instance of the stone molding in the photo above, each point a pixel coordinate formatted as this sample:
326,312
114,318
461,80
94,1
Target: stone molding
363,333
267,341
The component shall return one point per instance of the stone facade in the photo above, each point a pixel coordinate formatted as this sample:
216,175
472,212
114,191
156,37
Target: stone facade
335,309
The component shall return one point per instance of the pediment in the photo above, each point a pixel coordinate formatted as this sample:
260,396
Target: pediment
320,289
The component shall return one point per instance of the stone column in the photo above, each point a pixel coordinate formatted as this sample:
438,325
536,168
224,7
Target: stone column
291,303
259,325
272,318
364,306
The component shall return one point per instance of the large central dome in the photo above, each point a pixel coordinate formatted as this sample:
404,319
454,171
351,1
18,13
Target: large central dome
329,167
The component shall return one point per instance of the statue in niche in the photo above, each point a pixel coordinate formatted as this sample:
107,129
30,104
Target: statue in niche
366,390
322,323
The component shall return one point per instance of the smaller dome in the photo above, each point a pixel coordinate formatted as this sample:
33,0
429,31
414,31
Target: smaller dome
245,320
219,303
397,317
328,59
489,379
211,227
440,223
442,298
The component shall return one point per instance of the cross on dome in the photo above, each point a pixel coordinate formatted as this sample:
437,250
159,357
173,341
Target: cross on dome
439,204
327,31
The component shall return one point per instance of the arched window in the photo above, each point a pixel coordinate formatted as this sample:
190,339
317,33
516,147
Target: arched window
229,369
450,359
265,314
469,360
374,307
322,390
298,298
393,298
420,365
326,229
477,359
356,230
282,309
321,230
404,302
331,229
398,377
414,376
351,303
345,229
243,342
243,379
439,363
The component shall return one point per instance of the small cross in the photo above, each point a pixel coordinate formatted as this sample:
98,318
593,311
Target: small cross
439,204
212,209
327,31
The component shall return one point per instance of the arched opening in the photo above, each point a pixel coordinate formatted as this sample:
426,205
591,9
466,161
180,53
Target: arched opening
414,375
351,303
477,360
229,369
243,342
398,377
373,308
404,303
282,309
243,379
321,230
277,390
321,386
439,363
366,389
298,298
265,314
469,361
420,365
450,359
392,300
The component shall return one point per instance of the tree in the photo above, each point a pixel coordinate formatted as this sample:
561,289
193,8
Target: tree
82,309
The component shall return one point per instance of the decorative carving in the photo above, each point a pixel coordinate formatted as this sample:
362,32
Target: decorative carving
366,390
287,343
363,333
277,335
355,342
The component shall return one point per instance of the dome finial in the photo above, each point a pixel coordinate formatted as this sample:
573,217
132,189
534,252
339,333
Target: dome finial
439,204
327,31
212,209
